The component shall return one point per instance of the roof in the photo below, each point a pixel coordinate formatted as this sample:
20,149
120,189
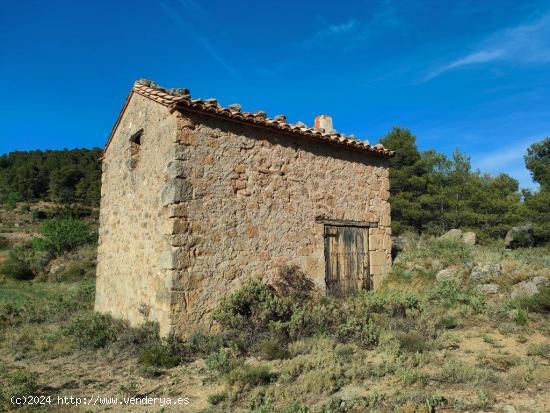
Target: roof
176,99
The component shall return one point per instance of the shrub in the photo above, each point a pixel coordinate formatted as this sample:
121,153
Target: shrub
361,331
74,272
60,235
539,349
38,215
4,243
447,252
449,293
271,348
344,352
412,342
447,322
485,398
540,302
254,310
163,352
94,330
455,371
56,307
220,361
293,283
251,375
16,266
217,398
11,199
18,384
205,344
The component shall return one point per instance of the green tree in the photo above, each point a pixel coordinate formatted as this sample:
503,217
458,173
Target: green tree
432,193
537,204
63,182
63,234
63,176
537,161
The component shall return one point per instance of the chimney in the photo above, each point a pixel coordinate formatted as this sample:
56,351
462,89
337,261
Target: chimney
323,123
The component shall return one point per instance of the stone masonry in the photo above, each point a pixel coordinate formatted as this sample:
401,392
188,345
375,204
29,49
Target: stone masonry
195,202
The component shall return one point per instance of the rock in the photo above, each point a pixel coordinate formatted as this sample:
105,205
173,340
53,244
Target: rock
450,273
56,267
451,235
541,280
509,409
486,272
521,236
530,287
468,238
490,288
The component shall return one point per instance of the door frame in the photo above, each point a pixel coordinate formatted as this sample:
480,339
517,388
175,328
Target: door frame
345,223
367,283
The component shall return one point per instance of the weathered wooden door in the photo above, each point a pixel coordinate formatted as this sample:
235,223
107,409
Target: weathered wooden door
346,259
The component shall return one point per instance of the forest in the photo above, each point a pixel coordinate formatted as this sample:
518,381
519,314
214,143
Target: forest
430,192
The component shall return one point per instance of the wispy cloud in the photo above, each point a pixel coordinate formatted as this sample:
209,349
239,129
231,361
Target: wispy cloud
526,43
330,32
191,8
508,159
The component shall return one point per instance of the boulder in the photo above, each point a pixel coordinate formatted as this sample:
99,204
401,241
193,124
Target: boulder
468,238
521,236
486,272
451,235
508,408
490,288
450,273
530,287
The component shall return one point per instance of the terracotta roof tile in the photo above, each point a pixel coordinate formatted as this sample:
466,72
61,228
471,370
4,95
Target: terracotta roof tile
181,99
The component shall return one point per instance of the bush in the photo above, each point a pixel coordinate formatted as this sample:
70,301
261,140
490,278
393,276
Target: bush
206,344
539,349
251,375
4,243
449,293
74,272
18,384
540,302
217,398
293,283
10,200
55,308
362,331
16,266
448,253
94,330
162,352
412,342
254,310
271,348
60,235
38,215
220,361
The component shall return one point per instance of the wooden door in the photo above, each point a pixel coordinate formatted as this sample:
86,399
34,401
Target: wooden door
346,259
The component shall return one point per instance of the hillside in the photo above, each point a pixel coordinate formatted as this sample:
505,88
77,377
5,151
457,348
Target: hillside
443,334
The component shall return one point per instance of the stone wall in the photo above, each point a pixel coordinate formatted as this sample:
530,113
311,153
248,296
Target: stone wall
131,281
247,203
195,205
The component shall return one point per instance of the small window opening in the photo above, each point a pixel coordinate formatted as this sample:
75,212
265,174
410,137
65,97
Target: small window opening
136,137
135,144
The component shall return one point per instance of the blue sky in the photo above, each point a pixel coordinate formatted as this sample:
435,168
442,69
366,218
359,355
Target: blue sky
472,75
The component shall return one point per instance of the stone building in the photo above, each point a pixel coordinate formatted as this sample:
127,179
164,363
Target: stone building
197,198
